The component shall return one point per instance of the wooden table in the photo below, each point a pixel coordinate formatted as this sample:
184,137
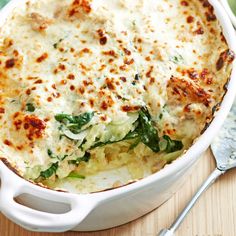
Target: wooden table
213,215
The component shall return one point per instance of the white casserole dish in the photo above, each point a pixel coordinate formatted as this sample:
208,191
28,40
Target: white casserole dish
229,11
50,211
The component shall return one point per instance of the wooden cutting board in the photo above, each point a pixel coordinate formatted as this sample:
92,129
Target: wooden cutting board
213,215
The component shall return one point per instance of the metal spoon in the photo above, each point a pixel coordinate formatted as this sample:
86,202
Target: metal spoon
224,151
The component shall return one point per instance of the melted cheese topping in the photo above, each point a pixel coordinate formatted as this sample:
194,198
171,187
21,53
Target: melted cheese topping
109,58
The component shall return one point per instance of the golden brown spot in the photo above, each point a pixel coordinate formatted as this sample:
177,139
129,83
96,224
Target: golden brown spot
10,63
128,62
123,67
47,119
26,126
39,81
7,142
111,61
63,82
110,53
78,7
62,67
210,16
35,126
84,67
127,52
81,90
103,66
42,58
20,147
184,3
39,22
8,42
192,73
108,103
123,79
85,50
16,53
148,74
49,99
2,110
190,19
186,91
91,102
16,115
103,118
104,105
112,70
225,57
199,31
28,91
103,40
110,84
72,87
102,36
56,95
87,83
152,80
140,40
187,108
17,124
127,108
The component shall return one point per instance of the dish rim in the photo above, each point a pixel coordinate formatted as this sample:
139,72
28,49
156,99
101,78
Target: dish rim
202,142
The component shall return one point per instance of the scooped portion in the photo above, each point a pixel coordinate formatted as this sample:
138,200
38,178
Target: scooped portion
97,94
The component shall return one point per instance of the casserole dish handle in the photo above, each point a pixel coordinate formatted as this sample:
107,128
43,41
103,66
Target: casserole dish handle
34,220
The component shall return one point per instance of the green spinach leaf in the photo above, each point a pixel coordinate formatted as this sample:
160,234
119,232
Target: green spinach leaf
55,45
147,132
130,135
75,123
135,143
177,58
144,132
30,107
75,176
85,158
50,171
53,156
172,145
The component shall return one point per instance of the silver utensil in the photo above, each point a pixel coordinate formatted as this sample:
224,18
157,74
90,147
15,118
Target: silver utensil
224,151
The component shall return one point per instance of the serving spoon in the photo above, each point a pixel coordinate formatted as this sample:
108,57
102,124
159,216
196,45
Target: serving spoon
224,150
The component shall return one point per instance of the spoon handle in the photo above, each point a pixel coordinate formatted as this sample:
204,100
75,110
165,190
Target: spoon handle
209,181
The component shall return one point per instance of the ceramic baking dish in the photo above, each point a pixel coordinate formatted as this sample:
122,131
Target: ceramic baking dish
40,209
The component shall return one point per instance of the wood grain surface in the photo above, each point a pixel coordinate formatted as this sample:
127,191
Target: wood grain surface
213,215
